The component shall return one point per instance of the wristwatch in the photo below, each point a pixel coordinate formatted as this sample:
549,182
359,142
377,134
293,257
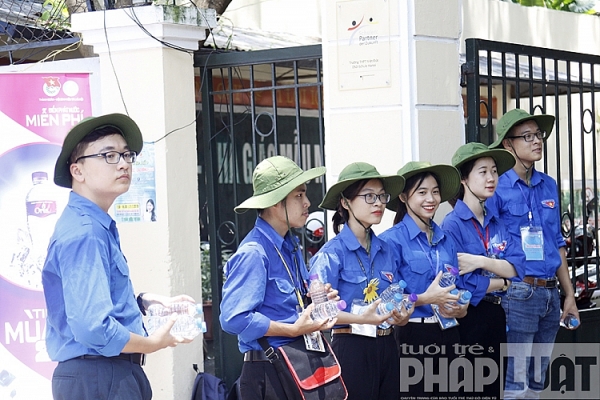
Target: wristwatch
505,287
140,303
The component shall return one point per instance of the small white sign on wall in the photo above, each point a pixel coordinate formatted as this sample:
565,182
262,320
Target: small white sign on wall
363,44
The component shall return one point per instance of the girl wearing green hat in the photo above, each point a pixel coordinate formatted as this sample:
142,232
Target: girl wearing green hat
424,252
360,267
487,256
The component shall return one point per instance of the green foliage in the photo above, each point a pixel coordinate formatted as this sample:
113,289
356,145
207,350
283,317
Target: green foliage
205,270
576,6
55,15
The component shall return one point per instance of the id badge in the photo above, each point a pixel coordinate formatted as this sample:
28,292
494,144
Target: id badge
314,342
532,241
444,322
358,307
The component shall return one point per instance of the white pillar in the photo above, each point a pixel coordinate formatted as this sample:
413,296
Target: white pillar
154,84
410,108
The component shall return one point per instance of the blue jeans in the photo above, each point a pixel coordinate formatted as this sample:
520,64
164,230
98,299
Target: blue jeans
532,319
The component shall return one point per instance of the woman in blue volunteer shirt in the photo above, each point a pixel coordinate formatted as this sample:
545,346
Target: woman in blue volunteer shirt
487,256
424,252
360,267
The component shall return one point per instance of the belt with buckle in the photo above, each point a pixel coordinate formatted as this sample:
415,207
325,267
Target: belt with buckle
546,283
426,320
492,299
380,332
135,358
255,355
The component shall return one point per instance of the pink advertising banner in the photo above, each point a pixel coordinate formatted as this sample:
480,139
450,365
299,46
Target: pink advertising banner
36,112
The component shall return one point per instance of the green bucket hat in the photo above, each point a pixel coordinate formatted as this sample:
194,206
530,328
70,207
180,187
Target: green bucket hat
472,151
448,176
393,184
273,179
127,126
517,116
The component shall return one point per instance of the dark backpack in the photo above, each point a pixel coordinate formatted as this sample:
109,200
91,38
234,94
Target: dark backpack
208,387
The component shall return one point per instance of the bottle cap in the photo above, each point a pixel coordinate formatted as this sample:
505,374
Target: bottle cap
454,271
389,306
341,305
413,297
402,284
313,277
574,321
454,291
39,174
467,295
397,297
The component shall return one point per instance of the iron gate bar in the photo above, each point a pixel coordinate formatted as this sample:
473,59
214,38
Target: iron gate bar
538,82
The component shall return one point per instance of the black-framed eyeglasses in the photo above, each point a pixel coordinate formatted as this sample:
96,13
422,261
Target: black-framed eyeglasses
528,137
114,157
371,198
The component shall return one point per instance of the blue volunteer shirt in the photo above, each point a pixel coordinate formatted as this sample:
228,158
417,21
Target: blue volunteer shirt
89,295
337,263
419,262
513,201
258,289
470,238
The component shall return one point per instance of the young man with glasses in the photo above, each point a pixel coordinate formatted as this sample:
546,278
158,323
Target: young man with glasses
94,324
528,202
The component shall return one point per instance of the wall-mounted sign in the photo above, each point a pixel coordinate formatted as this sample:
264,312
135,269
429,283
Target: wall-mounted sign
363,44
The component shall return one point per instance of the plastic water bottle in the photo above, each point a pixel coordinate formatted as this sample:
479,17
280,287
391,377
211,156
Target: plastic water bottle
570,322
41,212
388,294
449,277
190,318
327,310
383,309
179,308
464,297
409,301
186,326
317,290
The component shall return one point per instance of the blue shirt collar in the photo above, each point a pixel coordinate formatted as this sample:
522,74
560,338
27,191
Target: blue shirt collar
92,209
513,178
414,230
273,236
351,242
464,212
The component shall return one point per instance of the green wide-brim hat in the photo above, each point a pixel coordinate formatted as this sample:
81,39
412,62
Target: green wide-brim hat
514,117
392,184
447,175
127,127
474,150
273,179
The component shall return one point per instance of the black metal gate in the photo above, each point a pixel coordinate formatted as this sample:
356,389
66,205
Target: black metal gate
565,85
254,105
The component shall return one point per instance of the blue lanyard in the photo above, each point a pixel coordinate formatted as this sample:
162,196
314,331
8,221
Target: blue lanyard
437,256
529,203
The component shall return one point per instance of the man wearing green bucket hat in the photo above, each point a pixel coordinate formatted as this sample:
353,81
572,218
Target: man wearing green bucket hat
266,278
488,257
527,200
360,267
94,325
424,252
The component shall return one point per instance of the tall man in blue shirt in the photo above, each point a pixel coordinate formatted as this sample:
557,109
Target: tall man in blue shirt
94,324
266,283
528,202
